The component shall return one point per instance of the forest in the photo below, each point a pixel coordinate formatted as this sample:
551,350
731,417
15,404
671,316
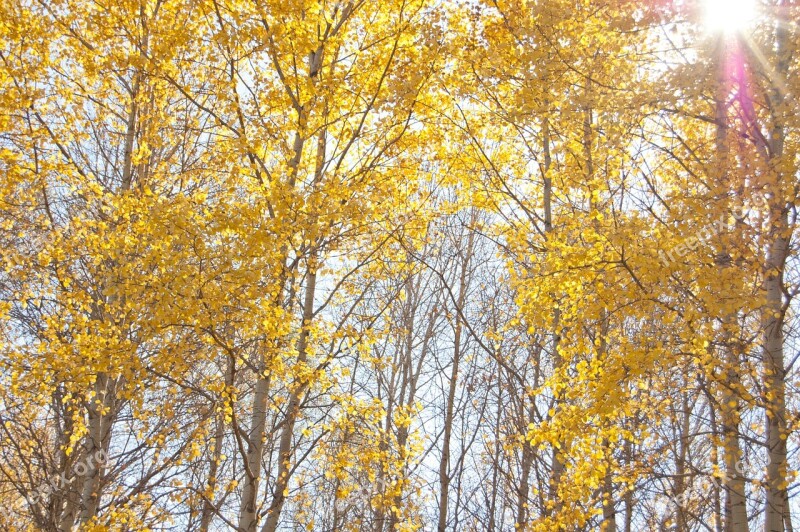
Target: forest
399,265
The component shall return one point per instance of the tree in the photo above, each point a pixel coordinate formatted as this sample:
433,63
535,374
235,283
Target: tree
401,265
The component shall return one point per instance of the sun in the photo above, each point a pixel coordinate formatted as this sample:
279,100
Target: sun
729,16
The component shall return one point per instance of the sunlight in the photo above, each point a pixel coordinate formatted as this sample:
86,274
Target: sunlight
729,15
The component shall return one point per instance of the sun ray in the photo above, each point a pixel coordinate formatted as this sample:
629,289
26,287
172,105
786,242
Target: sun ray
774,78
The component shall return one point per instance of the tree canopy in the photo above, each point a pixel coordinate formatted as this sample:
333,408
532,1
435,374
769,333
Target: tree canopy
397,265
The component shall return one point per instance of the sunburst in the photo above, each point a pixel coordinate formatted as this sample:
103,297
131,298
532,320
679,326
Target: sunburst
729,16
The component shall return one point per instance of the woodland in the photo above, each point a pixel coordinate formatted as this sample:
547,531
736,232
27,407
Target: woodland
399,265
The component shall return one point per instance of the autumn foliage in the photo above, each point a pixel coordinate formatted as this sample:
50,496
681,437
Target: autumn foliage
398,265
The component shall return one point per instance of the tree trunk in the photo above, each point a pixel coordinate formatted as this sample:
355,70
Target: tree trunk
292,410
524,485
734,483
444,463
680,465
735,500
248,518
219,435
609,506
776,510
101,410
557,469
